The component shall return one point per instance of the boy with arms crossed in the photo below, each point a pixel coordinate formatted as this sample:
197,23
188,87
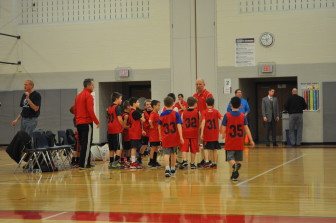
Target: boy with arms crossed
126,139
135,131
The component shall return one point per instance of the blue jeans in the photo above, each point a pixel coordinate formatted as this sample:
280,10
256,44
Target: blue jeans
28,125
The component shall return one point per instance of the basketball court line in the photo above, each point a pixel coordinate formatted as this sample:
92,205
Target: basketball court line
55,215
276,167
8,164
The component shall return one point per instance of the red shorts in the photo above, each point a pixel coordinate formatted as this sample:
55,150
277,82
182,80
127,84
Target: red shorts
192,143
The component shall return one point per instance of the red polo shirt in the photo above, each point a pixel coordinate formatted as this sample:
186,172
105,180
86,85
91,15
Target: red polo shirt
201,104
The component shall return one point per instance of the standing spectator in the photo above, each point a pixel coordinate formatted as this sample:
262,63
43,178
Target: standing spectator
85,117
244,106
201,95
270,114
31,104
181,104
295,105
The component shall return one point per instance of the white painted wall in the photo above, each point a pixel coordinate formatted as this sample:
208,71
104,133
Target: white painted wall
304,47
58,56
300,36
183,54
8,46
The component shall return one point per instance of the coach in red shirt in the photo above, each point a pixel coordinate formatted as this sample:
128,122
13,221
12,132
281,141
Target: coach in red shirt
202,94
85,117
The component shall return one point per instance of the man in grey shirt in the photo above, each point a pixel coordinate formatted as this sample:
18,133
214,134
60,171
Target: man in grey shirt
295,105
271,115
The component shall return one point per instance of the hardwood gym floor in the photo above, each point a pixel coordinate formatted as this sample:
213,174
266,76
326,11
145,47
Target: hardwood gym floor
275,185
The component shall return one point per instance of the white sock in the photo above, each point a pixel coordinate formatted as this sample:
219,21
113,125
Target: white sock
133,159
168,168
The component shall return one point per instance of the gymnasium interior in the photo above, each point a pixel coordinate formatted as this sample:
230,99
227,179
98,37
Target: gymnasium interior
147,49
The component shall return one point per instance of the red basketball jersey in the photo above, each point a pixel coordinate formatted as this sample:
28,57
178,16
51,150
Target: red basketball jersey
135,130
169,132
146,126
154,133
113,126
211,128
177,105
190,124
234,139
126,132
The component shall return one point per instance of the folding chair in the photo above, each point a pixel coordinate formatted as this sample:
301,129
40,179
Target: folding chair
38,154
63,141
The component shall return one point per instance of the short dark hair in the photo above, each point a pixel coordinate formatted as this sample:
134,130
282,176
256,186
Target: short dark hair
87,82
154,102
133,100
269,89
237,90
172,95
126,104
115,95
168,101
235,102
191,101
180,95
210,101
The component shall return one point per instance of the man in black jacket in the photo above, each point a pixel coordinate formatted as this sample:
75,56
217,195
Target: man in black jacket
295,105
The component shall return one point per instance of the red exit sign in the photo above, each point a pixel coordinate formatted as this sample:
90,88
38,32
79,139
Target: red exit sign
267,69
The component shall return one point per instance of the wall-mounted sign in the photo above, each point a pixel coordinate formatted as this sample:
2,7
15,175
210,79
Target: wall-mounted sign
311,94
123,73
227,86
266,69
245,52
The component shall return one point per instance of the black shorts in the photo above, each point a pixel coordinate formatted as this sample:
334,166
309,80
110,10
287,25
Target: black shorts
212,145
144,140
127,145
136,143
115,141
155,144
236,155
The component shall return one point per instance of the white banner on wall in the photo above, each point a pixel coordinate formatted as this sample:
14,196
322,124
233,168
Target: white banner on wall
245,52
227,86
